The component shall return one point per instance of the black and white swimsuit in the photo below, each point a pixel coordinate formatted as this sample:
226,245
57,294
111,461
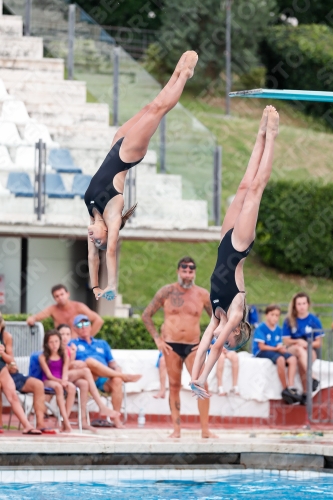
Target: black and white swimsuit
223,288
101,189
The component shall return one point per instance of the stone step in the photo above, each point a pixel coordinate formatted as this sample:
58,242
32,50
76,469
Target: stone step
171,214
160,185
11,26
13,47
84,136
60,91
31,69
55,115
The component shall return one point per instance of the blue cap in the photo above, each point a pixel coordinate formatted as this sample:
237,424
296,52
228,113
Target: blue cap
79,318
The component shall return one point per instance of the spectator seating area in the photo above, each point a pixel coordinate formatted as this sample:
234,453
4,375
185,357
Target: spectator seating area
37,103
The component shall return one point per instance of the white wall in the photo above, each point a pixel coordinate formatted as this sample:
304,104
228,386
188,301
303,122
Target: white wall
10,266
53,261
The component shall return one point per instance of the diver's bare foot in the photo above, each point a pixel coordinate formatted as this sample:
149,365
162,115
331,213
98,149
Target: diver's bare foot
159,395
209,435
118,423
90,428
190,63
181,63
272,123
175,434
263,122
131,378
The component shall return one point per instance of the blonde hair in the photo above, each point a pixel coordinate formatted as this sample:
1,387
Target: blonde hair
245,328
127,215
292,313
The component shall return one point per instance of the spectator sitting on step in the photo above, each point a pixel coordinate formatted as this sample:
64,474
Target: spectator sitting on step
97,355
8,386
65,310
233,358
297,328
267,343
81,376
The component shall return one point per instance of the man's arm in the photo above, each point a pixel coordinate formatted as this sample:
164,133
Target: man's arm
207,305
7,354
45,313
94,318
148,313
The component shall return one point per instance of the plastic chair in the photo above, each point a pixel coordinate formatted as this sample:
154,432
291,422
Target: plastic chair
5,159
15,111
19,184
80,184
25,158
34,131
54,187
4,96
62,161
9,135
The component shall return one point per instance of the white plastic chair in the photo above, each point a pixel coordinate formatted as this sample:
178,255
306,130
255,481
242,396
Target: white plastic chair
25,158
15,111
4,96
9,135
5,160
34,131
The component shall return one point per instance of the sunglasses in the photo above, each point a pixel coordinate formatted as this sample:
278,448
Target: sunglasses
190,266
82,324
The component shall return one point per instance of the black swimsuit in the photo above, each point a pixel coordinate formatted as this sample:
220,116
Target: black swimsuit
2,363
223,287
101,189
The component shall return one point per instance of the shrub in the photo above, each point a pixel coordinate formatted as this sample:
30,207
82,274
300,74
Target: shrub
301,58
295,228
120,333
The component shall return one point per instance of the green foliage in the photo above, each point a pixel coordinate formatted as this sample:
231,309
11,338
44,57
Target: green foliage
200,26
308,11
295,228
301,58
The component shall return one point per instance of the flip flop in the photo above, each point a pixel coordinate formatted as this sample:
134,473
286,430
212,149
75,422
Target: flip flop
99,422
109,295
46,430
33,432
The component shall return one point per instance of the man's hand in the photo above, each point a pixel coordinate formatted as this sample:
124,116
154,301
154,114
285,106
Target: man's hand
163,346
31,320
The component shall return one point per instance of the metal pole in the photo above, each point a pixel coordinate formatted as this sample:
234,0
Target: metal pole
115,86
40,179
217,185
309,381
27,18
163,145
228,56
71,38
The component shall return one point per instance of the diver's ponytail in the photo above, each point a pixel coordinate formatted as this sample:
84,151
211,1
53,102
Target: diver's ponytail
127,215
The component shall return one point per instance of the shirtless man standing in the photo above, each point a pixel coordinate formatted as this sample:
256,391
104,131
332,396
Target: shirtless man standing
65,310
183,303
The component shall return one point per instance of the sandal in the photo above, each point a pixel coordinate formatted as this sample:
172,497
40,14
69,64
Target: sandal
47,430
99,422
33,432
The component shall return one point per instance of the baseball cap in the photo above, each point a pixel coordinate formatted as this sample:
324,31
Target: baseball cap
79,318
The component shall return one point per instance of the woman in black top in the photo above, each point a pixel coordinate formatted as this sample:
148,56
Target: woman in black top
103,198
228,326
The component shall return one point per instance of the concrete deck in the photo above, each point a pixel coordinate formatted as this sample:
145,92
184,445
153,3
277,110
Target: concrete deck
153,448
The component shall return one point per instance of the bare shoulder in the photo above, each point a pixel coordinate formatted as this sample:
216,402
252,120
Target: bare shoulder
202,292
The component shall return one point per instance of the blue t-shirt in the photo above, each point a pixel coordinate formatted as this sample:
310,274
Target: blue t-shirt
269,337
304,328
98,349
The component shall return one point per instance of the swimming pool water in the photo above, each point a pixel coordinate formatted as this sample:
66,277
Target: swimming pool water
229,487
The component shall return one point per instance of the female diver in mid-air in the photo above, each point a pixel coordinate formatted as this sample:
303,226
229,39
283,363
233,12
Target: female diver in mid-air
104,196
228,326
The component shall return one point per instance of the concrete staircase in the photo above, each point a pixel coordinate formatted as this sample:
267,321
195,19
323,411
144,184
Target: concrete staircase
84,129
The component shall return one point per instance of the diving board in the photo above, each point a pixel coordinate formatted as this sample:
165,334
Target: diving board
293,95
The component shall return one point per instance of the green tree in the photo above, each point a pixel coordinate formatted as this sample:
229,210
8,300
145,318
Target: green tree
308,11
198,25
135,14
